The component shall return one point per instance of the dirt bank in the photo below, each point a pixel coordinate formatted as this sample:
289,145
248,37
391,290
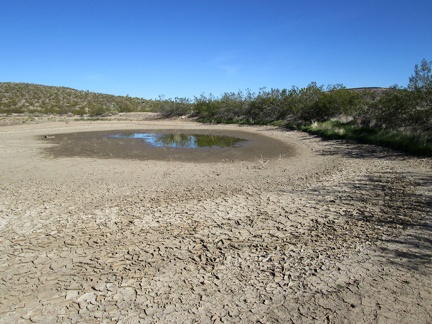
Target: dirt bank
333,233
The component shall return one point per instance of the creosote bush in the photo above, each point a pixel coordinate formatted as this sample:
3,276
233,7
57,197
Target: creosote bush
173,107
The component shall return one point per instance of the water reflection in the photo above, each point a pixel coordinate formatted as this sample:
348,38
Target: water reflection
179,140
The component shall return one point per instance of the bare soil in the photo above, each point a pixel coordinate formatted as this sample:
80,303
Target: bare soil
323,231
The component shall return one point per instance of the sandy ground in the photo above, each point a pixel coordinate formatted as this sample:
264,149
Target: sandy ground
336,233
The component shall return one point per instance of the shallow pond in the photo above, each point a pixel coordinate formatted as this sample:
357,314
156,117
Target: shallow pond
167,145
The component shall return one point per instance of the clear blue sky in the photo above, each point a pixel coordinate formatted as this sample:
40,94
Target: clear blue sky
182,48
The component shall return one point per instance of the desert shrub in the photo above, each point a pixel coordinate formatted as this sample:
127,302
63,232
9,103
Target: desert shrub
268,106
96,110
319,105
307,99
207,108
422,77
174,107
231,107
81,111
12,110
405,109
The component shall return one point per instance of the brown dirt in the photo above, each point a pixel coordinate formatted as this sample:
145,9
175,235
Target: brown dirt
335,233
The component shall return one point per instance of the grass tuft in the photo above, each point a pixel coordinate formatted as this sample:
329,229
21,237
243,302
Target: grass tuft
418,143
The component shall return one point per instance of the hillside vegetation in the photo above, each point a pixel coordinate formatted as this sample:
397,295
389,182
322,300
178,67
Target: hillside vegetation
397,117
18,98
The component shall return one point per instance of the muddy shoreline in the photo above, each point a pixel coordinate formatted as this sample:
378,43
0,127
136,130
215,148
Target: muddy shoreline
98,144
334,233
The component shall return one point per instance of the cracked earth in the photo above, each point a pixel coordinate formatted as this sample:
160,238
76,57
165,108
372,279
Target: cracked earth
331,232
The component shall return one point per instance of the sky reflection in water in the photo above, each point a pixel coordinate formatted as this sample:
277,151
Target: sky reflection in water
183,140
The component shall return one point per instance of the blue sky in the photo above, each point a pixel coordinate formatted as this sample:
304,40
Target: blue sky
189,47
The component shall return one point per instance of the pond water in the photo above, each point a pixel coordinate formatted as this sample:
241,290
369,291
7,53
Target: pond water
167,145
180,140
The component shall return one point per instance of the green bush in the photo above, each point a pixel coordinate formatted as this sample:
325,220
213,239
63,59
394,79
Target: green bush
405,109
174,107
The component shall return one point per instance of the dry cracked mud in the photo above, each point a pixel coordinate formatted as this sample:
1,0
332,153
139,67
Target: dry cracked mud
334,233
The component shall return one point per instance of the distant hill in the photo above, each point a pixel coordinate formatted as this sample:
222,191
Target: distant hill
376,90
35,98
27,98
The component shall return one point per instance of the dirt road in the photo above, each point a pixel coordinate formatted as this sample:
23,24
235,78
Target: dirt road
328,232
